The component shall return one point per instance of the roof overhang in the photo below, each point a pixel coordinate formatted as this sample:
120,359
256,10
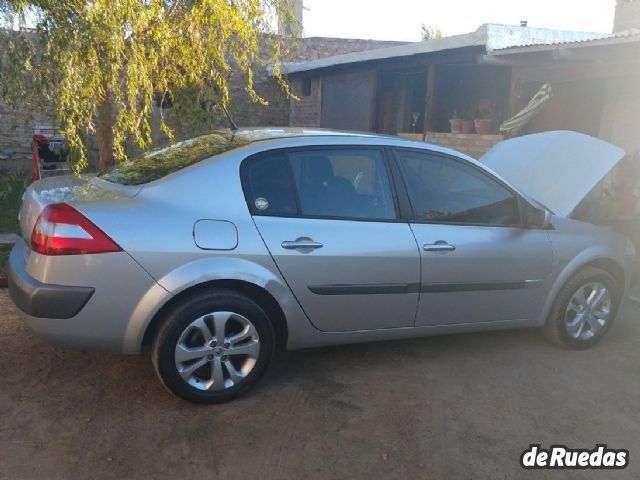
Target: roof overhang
605,40
490,36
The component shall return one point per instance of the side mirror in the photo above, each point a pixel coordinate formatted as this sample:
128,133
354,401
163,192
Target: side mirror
536,217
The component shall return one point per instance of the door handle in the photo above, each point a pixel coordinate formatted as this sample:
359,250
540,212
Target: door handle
439,246
301,244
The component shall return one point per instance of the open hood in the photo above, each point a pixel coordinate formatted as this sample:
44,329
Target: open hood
556,168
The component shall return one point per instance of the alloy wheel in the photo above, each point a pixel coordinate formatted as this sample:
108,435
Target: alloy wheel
588,311
217,351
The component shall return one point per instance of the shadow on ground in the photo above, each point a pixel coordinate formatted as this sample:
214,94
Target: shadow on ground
462,406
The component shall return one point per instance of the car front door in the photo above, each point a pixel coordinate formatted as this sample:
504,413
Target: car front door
329,220
479,264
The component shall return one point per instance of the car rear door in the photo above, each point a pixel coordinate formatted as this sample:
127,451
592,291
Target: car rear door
328,217
478,262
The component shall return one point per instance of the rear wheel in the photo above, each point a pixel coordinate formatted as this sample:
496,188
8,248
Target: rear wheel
213,346
584,309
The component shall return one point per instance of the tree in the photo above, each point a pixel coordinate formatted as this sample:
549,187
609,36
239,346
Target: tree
103,63
429,32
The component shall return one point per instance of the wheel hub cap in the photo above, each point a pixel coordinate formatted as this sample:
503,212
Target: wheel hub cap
217,351
588,311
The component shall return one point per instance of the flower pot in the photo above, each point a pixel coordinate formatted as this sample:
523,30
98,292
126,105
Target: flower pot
483,125
466,126
455,124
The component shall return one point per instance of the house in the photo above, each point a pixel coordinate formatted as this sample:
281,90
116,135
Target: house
594,83
415,90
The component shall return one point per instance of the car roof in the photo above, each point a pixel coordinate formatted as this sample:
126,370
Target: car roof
256,134
274,137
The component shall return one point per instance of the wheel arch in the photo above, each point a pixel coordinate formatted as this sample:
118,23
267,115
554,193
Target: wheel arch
613,268
608,264
258,294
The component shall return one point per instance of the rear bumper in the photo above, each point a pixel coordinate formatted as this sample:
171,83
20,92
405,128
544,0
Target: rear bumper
42,300
88,302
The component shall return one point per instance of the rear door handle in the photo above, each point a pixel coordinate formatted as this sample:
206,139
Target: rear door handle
439,246
301,244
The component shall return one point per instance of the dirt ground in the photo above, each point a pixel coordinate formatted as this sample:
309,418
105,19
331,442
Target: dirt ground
462,406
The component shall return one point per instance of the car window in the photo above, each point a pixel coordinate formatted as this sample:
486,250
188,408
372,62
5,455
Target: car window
159,163
267,185
449,191
342,183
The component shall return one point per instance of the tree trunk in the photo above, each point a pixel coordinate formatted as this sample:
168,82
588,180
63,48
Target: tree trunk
105,134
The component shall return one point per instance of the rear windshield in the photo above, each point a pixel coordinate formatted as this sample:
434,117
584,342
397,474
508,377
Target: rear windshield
160,163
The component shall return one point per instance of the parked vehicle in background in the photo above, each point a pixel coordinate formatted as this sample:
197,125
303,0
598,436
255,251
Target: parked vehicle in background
216,250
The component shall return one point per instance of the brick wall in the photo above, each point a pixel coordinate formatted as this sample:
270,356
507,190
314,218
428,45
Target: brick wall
473,145
307,111
16,134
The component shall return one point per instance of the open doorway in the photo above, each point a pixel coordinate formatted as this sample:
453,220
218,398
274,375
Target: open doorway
400,103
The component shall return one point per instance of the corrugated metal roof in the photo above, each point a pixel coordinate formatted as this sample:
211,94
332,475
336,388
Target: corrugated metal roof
491,36
628,36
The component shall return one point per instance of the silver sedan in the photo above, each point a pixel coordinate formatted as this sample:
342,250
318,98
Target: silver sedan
215,251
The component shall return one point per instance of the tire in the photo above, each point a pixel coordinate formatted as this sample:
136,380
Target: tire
563,324
188,359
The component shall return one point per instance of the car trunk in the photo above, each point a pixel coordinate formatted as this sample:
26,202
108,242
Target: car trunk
80,192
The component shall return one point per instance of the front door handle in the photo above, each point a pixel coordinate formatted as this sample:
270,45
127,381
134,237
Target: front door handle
439,246
301,244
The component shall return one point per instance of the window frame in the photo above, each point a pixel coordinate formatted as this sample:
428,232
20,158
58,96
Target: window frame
388,171
413,218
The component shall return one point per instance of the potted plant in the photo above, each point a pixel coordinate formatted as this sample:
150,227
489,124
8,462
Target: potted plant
466,126
455,122
483,122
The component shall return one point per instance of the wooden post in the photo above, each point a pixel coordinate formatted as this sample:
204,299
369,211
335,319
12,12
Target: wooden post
515,91
429,106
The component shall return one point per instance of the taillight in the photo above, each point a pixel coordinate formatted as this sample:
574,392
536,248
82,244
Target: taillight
62,230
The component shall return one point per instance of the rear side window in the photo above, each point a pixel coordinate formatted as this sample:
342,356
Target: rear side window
267,184
322,183
443,190
343,183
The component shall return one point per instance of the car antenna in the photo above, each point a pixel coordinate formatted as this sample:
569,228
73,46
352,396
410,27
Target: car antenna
234,126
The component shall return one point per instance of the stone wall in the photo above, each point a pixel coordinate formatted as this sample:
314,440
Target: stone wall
472,144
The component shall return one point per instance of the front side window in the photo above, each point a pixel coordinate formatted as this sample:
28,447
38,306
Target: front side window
444,190
342,183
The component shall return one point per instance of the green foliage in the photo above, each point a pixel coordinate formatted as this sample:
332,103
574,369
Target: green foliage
82,55
429,32
11,189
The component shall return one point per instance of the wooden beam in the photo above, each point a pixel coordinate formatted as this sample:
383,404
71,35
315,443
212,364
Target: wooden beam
429,106
515,90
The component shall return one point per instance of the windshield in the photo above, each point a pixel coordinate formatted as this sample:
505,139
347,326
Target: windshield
160,163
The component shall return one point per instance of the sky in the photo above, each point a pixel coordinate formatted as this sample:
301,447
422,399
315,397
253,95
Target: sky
401,19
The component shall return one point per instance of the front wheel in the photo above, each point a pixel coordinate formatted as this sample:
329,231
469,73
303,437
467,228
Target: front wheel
584,309
213,346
